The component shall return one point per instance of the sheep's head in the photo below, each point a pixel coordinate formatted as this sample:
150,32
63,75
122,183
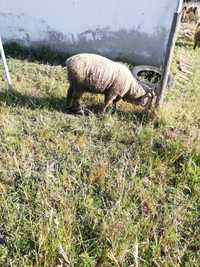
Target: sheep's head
146,99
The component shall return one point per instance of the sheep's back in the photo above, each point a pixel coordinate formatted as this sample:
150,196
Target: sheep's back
99,73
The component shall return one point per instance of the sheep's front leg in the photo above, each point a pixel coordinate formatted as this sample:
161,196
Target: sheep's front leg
118,98
107,102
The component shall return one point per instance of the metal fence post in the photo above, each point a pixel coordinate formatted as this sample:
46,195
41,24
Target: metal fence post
169,54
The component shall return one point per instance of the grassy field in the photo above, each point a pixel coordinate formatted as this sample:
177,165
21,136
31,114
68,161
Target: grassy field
114,190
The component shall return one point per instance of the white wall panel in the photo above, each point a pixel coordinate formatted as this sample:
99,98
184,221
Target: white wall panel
128,29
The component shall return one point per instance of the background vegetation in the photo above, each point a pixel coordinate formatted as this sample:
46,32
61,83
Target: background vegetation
112,190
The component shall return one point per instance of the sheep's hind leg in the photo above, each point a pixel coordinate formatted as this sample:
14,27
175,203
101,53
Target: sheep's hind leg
76,102
73,99
69,99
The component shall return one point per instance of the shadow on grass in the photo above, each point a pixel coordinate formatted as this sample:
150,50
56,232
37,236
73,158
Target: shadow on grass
16,99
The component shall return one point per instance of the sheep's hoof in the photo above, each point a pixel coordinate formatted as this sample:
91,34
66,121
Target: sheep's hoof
113,110
87,112
75,110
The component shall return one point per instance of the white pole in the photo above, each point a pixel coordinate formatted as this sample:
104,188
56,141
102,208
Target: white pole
5,65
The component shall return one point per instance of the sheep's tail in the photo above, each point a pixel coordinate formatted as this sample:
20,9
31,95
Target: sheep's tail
68,60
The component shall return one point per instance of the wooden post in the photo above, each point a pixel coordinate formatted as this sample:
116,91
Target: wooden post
169,54
5,65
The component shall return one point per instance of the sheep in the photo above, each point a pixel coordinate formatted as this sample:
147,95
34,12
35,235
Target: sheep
184,14
197,37
99,75
189,15
192,15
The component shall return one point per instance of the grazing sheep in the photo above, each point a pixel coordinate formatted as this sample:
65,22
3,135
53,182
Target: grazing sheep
197,37
189,15
184,14
99,75
193,15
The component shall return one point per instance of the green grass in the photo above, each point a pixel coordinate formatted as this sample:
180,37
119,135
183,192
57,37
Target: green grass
115,190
